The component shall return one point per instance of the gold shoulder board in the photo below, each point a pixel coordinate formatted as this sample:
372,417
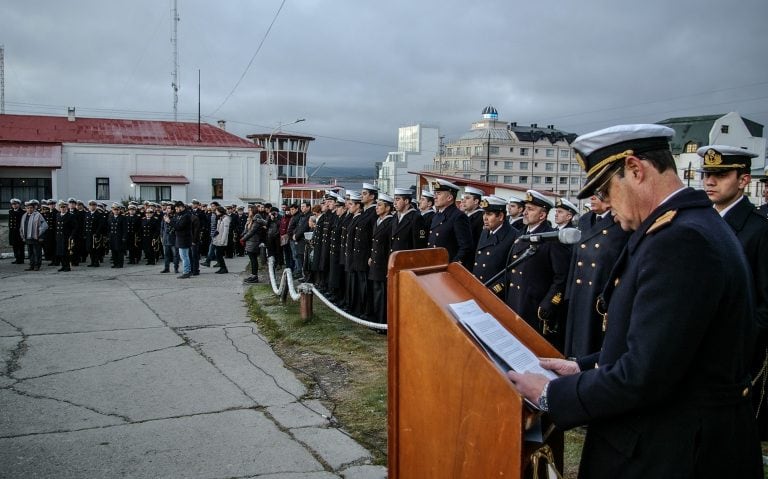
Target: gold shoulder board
662,221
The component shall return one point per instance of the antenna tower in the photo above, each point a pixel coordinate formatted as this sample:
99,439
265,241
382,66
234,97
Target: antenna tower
2,80
175,43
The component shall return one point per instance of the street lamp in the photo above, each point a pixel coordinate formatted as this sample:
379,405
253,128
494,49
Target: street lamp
270,162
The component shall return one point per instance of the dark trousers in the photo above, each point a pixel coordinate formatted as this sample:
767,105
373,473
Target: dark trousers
288,256
118,257
171,255
35,250
221,252
379,301
194,258
18,251
253,256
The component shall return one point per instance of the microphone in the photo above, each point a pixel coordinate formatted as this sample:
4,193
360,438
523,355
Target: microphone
565,236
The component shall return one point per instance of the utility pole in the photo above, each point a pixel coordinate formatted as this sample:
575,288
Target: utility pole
2,80
175,43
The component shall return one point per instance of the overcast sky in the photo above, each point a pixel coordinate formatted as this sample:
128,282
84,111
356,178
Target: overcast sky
359,69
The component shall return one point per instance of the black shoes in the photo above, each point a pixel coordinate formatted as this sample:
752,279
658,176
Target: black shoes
222,271
184,276
207,264
166,270
251,279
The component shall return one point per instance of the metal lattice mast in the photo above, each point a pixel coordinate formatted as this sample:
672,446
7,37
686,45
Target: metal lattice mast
2,80
175,43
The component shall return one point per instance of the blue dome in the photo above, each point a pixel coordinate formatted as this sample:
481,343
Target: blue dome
490,113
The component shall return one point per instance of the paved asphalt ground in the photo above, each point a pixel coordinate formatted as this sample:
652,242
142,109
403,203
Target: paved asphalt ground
131,373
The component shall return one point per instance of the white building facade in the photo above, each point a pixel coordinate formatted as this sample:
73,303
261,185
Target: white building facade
417,146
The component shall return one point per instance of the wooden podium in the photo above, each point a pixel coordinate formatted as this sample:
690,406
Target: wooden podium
452,413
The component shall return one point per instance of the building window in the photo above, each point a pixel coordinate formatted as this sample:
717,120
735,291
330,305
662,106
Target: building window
509,179
691,147
24,189
466,176
511,150
723,128
549,166
548,180
550,152
523,180
574,179
482,163
478,150
449,152
564,167
102,188
523,165
155,193
217,188
494,150
465,165
523,151
493,178
508,165
574,167
536,179
564,154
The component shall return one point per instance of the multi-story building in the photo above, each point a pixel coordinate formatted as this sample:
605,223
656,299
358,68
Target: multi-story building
495,151
692,132
417,146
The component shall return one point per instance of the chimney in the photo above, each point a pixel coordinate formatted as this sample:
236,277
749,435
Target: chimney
534,125
551,127
71,113
222,124
514,123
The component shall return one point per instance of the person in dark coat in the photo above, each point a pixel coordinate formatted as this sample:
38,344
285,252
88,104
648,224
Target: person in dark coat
763,209
118,235
727,173
564,213
344,224
150,234
427,207
202,237
602,240
353,297
379,257
251,240
77,209
409,231
14,238
515,208
361,251
133,232
49,212
450,227
470,203
668,394
494,245
183,236
94,226
302,226
66,232
536,287
321,240
335,266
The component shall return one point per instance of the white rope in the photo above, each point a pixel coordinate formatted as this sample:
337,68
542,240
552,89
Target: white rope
286,281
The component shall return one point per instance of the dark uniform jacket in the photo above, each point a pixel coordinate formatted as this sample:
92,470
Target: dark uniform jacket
323,231
763,210
14,222
362,231
450,230
751,229
492,253
349,242
666,399
410,232
428,215
592,261
94,226
476,226
380,249
117,233
539,282
517,223
66,232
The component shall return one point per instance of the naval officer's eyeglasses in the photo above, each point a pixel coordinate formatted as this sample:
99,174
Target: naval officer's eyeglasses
601,192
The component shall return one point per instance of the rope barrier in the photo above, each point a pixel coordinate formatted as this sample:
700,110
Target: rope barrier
286,285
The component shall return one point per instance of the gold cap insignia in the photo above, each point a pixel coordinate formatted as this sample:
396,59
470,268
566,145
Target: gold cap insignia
712,158
484,204
498,287
528,197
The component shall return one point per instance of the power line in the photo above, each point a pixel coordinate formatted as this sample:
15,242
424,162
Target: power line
266,34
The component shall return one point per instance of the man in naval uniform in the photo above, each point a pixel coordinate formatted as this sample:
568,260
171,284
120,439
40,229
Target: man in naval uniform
321,240
470,202
668,394
450,226
726,176
602,240
14,237
379,258
535,287
361,250
66,232
93,229
515,208
408,228
118,235
336,274
427,207
353,296
495,243
564,213
763,209
150,234
133,232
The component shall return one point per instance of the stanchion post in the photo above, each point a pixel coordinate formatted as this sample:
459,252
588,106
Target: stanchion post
305,302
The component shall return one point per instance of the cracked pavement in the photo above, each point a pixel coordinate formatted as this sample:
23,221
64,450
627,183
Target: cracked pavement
133,373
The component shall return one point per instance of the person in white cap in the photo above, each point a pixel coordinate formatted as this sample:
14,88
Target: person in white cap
321,241
492,251
118,235
535,287
450,227
355,292
409,230
564,213
515,208
14,238
427,207
336,274
727,173
471,206
379,257
66,232
668,394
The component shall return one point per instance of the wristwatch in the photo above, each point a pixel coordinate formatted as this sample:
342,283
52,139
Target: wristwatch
543,403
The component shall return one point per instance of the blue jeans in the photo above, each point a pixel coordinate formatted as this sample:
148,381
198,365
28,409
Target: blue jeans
211,253
169,252
185,264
